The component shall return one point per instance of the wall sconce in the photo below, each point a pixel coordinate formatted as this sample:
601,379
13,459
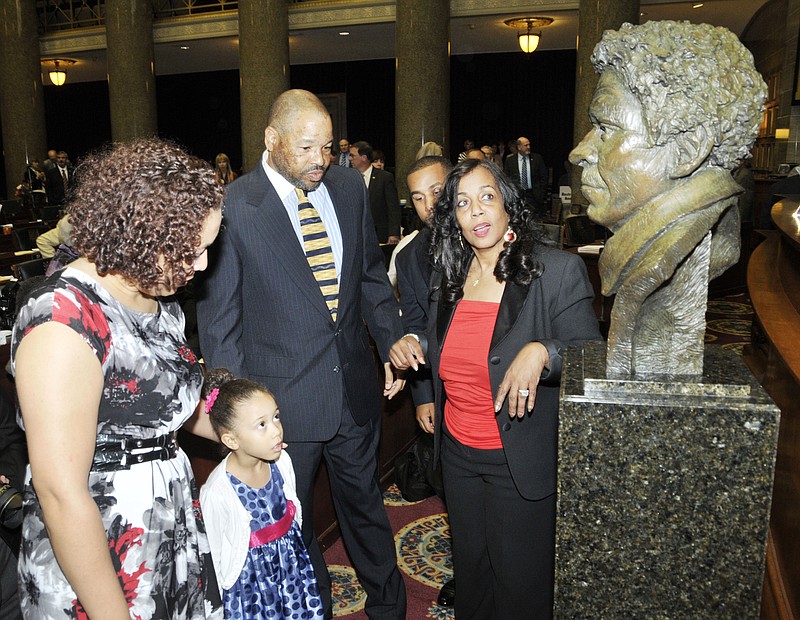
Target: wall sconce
57,69
529,41
782,134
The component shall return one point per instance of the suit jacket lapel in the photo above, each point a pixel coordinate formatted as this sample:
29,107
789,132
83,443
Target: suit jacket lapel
274,226
511,305
348,226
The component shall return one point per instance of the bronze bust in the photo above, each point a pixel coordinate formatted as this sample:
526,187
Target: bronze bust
676,106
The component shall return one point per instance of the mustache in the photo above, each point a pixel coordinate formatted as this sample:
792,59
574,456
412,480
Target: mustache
315,168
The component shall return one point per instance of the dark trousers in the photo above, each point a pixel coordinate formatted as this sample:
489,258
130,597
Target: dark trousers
503,544
352,460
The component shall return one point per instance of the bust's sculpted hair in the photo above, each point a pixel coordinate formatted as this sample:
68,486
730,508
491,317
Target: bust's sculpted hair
688,75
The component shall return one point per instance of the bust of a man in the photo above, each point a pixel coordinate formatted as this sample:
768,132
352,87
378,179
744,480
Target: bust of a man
676,106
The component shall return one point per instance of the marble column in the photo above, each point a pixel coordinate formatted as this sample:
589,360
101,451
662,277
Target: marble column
422,80
263,68
594,17
131,72
21,97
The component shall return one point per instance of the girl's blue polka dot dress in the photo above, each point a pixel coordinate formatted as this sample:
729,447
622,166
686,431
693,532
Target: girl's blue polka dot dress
277,580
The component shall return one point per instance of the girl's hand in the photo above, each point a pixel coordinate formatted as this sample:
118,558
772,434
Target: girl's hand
521,380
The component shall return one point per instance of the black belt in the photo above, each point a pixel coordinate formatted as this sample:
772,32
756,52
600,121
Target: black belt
116,452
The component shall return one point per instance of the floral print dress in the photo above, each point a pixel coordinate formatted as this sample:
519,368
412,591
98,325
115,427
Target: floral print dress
150,510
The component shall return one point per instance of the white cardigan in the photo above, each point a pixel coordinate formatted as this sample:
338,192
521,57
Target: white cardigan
228,521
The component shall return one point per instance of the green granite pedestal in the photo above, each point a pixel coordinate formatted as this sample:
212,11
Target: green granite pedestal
664,490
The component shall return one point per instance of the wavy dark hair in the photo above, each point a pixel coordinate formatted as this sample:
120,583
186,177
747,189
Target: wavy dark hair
138,210
231,392
451,256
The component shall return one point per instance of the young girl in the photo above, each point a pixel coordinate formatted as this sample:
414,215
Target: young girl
251,509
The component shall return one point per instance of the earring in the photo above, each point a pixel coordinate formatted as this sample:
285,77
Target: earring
510,235
461,240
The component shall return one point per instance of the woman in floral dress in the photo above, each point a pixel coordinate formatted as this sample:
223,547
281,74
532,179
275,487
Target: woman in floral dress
112,524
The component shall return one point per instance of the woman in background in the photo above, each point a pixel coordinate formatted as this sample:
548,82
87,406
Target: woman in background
223,172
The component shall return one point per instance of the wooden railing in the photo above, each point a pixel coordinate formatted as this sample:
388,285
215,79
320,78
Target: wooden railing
773,280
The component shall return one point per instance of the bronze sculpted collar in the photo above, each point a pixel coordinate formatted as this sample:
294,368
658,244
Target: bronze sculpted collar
667,221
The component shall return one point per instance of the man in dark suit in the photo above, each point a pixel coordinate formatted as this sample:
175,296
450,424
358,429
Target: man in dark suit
58,179
529,171
262,314
383,200
425,181
342,158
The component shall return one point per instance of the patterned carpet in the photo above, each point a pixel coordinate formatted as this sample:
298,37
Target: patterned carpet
422,534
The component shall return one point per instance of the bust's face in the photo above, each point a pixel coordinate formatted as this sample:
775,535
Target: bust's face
621,171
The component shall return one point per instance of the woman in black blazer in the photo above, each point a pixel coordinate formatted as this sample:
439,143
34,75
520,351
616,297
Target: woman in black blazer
506,307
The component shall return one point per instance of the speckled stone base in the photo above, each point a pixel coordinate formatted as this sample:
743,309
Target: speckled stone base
664,491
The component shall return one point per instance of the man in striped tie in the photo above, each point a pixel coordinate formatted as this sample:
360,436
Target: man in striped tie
297,276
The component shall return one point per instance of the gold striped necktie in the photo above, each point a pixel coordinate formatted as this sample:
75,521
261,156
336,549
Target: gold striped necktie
318,251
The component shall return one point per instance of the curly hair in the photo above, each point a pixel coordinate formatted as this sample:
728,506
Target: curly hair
138,210
689,75
451,256
230,393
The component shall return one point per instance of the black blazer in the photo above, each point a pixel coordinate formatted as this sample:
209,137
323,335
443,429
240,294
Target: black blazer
54,184
384,204
261,314
538,173
556,310
413,265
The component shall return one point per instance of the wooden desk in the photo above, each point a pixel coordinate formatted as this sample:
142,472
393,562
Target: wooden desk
773,279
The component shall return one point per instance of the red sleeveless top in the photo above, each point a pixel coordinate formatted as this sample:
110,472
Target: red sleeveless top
469,408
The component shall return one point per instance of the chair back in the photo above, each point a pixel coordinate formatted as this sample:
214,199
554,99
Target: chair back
10,209
48,213
29,268
24,237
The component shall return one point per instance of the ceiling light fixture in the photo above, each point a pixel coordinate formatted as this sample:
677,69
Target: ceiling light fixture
528,40
699,5
57,69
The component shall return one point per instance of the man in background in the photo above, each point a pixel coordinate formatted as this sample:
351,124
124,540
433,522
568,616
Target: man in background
383,200
529,171
58,179
342,158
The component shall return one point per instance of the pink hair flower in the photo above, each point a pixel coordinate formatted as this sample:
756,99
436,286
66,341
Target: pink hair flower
211,399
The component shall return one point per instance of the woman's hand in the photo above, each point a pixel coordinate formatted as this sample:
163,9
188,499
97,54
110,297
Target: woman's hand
407,353
521,380
425,415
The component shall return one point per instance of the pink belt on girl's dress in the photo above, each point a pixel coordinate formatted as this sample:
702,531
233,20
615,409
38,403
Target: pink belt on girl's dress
274,531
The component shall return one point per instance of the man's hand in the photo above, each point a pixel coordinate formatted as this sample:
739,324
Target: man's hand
406,353
393,240
392,385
